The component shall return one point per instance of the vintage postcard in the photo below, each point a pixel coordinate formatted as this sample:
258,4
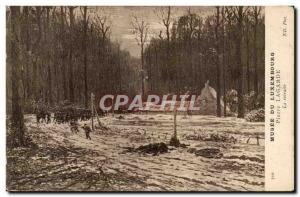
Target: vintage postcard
150,98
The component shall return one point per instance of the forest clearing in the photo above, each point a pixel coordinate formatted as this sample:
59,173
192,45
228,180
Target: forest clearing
78,79
64,161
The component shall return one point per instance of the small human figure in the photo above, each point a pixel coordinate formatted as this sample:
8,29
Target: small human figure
74,126
48,116
87,131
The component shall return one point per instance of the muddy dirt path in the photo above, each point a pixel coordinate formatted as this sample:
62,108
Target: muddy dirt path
240,169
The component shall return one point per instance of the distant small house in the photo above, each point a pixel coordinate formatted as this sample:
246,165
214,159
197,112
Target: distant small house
207,101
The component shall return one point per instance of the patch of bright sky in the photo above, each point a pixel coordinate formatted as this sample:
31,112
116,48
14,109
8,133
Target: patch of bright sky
120,18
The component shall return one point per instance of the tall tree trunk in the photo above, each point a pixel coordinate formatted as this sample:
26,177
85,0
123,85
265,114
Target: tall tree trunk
63,55
50,86
34,79
36,87
27,48
24,39
239,63
48,56
150,68
256,13
247,38
85,56
224,63
119,71
57,81
71,85
156,66
17,118
167,25
199,70
218,64
142,73
104,63
247,62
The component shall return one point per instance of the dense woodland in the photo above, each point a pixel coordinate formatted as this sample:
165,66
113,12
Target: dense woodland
196,49
226,48
65,54
57,54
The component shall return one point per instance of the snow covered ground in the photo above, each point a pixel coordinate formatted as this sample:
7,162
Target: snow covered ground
66,161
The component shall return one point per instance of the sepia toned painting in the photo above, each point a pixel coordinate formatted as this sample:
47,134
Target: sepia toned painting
135,98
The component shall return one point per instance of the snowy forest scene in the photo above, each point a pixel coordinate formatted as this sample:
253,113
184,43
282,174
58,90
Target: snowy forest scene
135,98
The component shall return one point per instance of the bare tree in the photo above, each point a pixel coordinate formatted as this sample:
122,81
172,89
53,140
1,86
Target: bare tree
37,54
63,51
84,47
140,30
223,59
17,119
71,43
256,13
101,23
218,62
25,26
247,41
164,14
239,14
47,55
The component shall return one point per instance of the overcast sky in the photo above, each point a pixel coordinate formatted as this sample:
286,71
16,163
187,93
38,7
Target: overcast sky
121,17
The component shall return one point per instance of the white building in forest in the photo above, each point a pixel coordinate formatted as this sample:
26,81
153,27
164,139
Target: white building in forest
207,101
